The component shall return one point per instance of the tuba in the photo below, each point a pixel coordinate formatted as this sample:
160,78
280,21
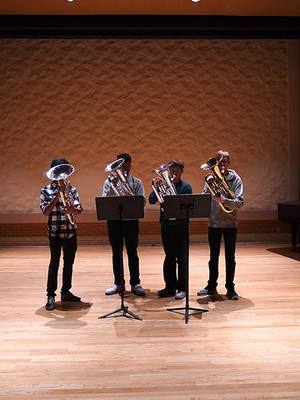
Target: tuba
60,173
216,182
117,178
162,185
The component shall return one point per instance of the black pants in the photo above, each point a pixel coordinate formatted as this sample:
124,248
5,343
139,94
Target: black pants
129,232
69,247
174,239
214,239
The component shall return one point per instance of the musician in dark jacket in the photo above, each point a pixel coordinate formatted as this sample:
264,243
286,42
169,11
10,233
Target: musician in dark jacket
62,234
222,223
174,239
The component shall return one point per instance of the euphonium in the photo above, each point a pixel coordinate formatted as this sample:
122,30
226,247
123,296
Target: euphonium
216,182
117,178
163,185
60,173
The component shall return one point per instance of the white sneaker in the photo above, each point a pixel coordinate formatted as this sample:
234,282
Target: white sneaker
202,292
113,290
180,295
207,292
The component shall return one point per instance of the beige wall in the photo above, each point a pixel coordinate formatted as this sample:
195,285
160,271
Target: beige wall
294,119
87,100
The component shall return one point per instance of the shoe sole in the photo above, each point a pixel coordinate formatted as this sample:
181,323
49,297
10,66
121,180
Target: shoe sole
111,294
208,294
73,301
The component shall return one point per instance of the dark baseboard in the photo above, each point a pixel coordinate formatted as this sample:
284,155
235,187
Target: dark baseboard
146,228
149,26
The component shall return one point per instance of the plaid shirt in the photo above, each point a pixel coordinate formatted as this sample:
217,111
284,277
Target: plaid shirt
58,223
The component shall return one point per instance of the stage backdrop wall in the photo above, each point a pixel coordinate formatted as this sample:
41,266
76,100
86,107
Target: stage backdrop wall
89,99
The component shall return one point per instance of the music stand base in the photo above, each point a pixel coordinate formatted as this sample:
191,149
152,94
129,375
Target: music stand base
125,313
186,312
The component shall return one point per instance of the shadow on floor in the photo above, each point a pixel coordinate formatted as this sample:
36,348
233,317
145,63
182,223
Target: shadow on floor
65,314
287,252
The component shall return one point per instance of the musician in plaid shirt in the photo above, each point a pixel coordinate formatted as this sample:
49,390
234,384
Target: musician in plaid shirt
62,235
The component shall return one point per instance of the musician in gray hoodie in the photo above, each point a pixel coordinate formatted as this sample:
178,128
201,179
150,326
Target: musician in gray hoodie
223,222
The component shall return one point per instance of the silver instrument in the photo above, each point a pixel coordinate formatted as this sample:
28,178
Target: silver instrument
216,182
162,185
118,179
61,173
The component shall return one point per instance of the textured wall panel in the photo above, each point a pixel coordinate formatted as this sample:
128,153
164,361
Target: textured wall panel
87,100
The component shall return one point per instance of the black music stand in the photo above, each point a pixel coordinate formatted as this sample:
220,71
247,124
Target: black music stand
116,209
186,206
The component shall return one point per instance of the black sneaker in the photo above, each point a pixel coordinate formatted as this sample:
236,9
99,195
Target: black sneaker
69,297
232,295
166,292
50,303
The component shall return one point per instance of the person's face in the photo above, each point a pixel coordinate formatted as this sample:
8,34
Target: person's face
126,166
176,173
223,165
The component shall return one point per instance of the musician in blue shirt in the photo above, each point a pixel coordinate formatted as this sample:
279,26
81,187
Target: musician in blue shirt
174,239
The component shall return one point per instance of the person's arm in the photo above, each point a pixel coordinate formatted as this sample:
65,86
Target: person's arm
138,187
187,189
76,207
105,189
48,200
238,200
205,189
152,198
47,210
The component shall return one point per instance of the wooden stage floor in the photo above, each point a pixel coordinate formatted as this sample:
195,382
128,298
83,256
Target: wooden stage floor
239,350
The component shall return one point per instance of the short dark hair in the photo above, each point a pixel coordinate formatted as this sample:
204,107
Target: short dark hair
58,161
224,154
126,156
177,164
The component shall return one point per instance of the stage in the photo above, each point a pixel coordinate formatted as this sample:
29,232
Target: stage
246,349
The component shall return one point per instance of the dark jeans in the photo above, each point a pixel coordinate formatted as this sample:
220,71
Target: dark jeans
214,240
129,232
69,247
174,239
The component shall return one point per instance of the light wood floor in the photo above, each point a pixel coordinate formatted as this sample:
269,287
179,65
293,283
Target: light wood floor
239,350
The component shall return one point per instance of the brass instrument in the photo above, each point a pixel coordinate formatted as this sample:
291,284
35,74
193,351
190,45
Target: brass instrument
60,173
162,185
118,179
216,182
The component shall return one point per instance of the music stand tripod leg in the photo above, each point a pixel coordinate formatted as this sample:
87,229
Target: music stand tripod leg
125,313
111,313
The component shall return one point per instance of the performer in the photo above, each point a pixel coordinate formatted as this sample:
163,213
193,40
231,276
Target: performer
129,234
223,222
62,230
174,239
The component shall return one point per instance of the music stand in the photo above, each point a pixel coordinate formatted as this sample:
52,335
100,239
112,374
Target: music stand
186,206
117,209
